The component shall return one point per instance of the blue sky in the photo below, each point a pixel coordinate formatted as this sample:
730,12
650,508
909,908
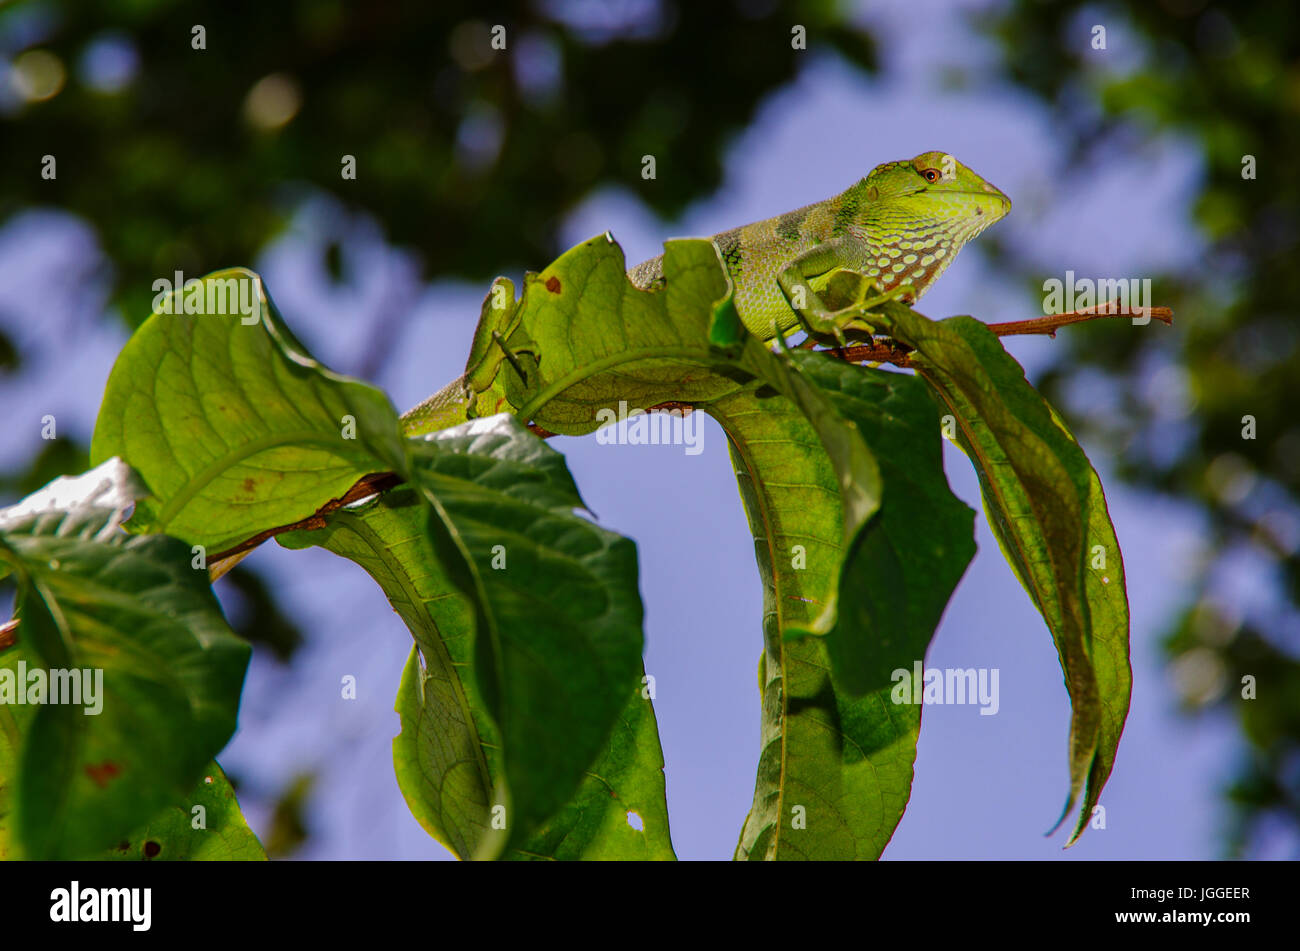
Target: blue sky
986,786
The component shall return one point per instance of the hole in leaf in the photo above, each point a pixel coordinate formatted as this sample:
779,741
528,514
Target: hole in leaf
636,822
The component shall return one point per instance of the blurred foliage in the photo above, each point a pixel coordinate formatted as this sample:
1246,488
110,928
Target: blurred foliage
1227,78
10,359
289,829
56,457
255,614
191,159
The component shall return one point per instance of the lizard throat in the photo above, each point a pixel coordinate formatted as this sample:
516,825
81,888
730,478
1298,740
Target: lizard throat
920,255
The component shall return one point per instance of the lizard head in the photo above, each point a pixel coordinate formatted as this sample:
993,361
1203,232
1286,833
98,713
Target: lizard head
919,213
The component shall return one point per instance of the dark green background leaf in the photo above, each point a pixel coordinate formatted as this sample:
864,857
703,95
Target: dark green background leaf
553,642
905,562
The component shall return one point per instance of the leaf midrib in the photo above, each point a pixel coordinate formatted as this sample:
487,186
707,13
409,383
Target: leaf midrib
371,538
200,480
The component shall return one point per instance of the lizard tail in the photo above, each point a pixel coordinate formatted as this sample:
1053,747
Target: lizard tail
442,409
648,273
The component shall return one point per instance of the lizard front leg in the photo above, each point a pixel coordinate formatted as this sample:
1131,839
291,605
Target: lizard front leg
842,254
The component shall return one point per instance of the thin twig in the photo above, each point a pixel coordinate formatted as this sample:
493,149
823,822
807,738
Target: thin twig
365,487
1053,322
891,352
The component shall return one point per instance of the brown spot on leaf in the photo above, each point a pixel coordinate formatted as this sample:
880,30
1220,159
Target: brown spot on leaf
553,284
249,485
151,849
101,775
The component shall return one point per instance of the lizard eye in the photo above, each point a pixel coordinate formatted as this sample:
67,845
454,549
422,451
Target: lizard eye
931,175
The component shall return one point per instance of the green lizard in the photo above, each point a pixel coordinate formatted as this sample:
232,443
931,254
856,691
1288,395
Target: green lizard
901,226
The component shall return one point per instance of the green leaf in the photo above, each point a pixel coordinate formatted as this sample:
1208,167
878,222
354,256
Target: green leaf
233,426
13,724
835,771
1046,507
441,754
558,640
550,625
1107,596
903,563
626,781
606,340
389,537
587,339
625,785
129,609
171,834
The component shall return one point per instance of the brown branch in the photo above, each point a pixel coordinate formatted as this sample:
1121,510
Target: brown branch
886,351
665,406
1053,322
892,352
8,634
365,487
889,351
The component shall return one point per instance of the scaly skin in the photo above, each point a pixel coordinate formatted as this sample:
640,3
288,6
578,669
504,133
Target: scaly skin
901,226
